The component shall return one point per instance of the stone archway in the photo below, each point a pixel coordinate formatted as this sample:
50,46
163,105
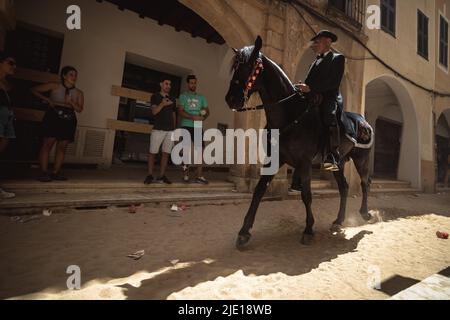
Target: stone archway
224,19
389,108
237,34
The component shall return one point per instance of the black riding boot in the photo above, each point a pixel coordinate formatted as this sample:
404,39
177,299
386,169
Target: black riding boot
332,159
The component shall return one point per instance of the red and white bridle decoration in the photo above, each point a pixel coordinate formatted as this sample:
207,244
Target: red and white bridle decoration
257,70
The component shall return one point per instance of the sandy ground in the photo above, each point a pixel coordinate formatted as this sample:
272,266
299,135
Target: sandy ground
402,246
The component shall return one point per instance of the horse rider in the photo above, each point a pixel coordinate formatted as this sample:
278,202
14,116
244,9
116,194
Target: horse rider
324,79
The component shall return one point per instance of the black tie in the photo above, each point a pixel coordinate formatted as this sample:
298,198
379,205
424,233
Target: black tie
321,56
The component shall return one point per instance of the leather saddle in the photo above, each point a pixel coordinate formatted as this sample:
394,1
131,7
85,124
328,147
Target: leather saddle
355,126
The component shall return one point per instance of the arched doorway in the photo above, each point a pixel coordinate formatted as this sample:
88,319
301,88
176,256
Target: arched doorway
391,111
442,147
225,19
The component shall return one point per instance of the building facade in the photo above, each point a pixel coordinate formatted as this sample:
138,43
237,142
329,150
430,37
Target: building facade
398,75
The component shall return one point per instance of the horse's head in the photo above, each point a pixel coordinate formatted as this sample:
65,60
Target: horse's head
247,69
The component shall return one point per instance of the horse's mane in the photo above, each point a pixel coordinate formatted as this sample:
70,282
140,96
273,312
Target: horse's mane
282,73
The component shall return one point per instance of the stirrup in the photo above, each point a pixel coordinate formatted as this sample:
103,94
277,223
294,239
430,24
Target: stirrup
330,167
330,164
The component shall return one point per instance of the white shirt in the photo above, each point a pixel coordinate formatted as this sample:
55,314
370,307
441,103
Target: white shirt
318,61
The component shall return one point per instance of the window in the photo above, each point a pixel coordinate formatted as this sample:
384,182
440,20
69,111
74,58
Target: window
443,42
388,16
338,4
36,48
422,34
353,9
143,79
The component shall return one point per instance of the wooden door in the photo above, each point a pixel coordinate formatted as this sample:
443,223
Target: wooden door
387,148
442,157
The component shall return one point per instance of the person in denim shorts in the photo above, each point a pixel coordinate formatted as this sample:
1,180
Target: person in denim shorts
7,68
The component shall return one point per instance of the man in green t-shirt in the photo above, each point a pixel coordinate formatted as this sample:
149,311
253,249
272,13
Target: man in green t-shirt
193,109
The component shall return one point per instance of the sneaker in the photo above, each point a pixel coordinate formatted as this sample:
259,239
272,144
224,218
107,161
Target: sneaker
295,189
185,174
6,195
44,177
201,180
58,177
149,180
165,180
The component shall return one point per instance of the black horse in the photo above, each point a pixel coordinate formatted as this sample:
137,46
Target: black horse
301,134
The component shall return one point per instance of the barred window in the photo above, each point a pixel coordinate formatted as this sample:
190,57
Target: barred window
354,9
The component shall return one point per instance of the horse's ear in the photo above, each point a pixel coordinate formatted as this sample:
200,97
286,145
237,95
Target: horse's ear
258,43
256,49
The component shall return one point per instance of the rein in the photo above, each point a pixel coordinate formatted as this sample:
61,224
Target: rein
290,125
263,106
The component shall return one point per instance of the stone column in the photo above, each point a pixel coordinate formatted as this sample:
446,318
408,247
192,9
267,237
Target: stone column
352,89
354,103
240,174
428,167
247,176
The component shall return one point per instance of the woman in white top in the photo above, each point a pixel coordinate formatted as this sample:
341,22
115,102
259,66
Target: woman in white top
60,121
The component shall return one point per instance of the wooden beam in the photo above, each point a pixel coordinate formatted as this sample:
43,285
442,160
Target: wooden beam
162,18
26,114
128,126
36,76
178,21
197,30
118,91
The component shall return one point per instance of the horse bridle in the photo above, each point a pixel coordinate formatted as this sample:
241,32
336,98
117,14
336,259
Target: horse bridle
258,68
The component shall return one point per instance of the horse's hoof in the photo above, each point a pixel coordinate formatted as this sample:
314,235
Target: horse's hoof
242,241
366,216
307,239
336,228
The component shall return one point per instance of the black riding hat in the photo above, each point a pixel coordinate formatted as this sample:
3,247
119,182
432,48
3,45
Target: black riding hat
326,34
